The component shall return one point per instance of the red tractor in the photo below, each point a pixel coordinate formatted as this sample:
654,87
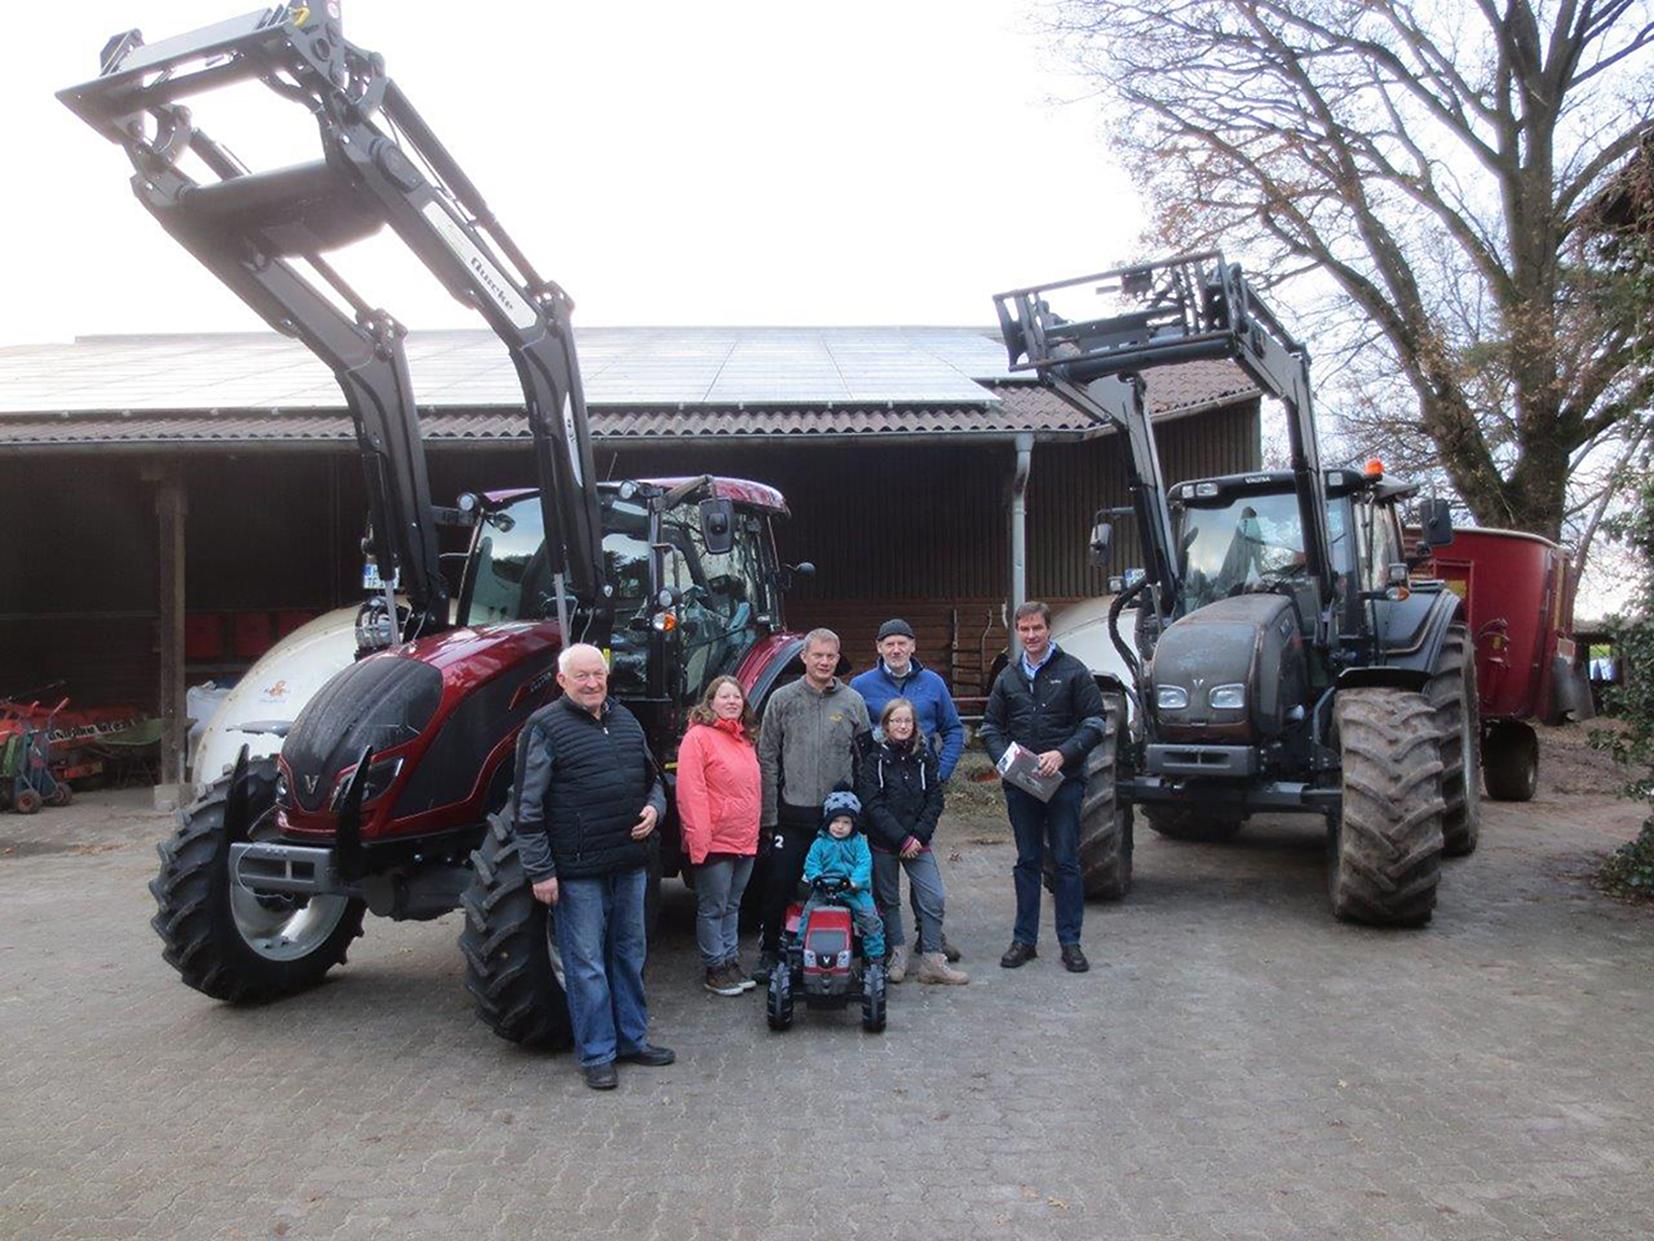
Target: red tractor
822,963
1519,597
387,792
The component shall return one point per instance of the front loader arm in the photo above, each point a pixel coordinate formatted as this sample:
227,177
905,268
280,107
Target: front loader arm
1184,310
380,165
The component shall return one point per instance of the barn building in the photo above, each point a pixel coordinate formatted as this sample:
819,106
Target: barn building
175,503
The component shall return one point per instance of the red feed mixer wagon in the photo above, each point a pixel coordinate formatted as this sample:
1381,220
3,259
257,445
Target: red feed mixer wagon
1519,593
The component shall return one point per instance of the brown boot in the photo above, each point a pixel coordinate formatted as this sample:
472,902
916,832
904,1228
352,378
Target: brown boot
934,967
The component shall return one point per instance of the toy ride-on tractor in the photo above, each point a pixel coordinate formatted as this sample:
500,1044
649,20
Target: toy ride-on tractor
822,962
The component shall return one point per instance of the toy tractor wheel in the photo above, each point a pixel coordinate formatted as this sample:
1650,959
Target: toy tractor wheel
27,801
513,968
778,1004
1185,823
1510,761
1452,692
224,940
1385,846
873,1005
1105,823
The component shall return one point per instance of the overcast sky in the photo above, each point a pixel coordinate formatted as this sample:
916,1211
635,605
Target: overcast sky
668,163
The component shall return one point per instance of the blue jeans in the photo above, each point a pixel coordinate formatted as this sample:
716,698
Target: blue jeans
1037,826
719,883
926,878
600,935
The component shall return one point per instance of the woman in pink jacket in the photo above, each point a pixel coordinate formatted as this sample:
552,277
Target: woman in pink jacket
719,801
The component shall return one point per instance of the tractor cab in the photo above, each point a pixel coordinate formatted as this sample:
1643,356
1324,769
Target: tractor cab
691,565
1242,534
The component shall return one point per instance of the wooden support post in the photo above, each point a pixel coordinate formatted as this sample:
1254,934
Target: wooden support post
171,505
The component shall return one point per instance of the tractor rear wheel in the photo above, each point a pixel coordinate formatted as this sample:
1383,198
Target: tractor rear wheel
1510,761
223,939
513,968
873,1004
1452,693
1186,823
1105,824
1385,846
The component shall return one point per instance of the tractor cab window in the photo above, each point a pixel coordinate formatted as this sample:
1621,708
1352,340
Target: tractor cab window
508,573
1381,544
720,597
1253,544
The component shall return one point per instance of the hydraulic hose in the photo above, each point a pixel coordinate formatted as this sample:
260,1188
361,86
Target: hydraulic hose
1126,653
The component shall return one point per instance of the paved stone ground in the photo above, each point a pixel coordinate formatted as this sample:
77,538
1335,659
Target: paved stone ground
1237,1065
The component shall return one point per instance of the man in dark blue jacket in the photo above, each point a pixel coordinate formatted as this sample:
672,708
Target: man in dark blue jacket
588,799
1046,701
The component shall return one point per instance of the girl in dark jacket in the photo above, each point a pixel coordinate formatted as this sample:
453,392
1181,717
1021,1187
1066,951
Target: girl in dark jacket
901,797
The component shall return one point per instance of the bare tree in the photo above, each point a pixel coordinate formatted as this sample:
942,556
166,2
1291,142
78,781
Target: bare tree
1422,173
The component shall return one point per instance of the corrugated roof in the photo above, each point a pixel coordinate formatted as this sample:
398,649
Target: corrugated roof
641,384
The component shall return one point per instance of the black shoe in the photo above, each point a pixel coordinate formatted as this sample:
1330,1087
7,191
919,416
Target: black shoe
649,1054
949,951
1073,960
1017,955
767,962
602,1076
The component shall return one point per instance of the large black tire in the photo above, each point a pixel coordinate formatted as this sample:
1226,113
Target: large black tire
224,941
1187,823
1510,761
1386,845
1452,694
511,964
1105,823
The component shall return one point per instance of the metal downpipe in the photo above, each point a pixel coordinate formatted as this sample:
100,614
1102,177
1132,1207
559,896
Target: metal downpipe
1024,445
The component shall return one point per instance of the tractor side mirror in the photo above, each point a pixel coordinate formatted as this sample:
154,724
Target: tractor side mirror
1101,532
718,526
789,574
1435,522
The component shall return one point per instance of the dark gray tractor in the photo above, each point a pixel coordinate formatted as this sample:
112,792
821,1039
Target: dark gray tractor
1282,657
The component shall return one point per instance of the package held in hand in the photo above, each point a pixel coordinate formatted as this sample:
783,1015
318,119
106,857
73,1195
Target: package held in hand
1020,766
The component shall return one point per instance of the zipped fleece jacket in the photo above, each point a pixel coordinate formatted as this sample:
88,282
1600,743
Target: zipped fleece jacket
807,744
582,782
901,795
938,717
1060,709
719,793
849,858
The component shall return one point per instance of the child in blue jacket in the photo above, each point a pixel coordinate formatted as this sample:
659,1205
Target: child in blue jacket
840,852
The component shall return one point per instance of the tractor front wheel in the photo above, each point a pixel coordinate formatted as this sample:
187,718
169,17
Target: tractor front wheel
778,1005
1385,846
1452,693
1510,761
225,940
1105,824
513,968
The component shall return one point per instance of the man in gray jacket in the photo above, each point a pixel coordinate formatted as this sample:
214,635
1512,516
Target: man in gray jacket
806,746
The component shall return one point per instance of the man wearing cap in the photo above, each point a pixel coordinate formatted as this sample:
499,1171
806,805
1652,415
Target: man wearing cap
897,674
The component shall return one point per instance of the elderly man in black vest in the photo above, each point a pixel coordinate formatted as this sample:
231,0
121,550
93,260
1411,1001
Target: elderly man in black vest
588,798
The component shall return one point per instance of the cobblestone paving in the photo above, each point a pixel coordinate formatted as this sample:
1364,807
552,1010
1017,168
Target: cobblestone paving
1237,1064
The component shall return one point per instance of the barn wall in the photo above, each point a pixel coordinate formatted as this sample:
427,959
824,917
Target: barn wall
919,530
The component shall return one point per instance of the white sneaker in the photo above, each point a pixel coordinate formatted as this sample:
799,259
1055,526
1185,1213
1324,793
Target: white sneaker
896,968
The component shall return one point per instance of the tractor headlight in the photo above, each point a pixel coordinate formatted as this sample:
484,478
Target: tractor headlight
380,777
375,627
809,959
844,959
1171,698
1227,697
